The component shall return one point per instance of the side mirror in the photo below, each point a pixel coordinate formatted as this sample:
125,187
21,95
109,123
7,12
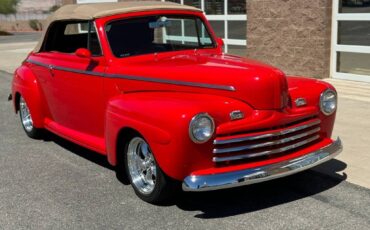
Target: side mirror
83,53
220,42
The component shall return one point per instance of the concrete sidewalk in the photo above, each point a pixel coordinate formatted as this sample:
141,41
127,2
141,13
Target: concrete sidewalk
352,125
14,49
12,54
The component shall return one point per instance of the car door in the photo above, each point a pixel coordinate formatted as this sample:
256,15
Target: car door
73,83
76,97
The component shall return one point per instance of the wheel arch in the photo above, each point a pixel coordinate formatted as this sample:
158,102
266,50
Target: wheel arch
26,85
123,137
17,97
163,118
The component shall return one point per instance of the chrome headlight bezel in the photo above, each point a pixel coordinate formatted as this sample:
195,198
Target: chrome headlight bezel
323,98
195,122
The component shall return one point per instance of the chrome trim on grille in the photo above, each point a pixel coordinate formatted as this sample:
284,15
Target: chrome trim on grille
198,183
268,152
273,134
267,143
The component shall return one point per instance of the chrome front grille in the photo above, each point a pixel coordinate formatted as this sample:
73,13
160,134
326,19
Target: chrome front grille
252,145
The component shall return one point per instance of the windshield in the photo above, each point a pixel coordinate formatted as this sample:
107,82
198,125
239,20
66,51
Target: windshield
154,34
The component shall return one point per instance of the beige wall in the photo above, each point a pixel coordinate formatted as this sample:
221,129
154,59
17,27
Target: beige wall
36,5
74,1
16,26
293,35
69,2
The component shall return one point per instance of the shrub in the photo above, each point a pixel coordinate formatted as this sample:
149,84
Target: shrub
4,33
35,24
54,8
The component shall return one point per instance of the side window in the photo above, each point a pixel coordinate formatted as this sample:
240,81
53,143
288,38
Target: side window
188,31
68,36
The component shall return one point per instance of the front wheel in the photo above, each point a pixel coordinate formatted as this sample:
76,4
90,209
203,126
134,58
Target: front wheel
147,179
26,120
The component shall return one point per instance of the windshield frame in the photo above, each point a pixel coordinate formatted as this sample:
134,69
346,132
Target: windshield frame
180,15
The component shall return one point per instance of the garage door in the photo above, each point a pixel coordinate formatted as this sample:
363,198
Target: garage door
351,40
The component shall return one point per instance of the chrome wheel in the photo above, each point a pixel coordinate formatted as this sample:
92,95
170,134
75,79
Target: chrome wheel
141,165
25,115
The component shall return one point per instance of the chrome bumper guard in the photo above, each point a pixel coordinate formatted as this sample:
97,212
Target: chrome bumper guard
264,173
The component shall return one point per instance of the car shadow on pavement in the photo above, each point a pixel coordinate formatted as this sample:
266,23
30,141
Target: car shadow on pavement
85,153
235,201
230,202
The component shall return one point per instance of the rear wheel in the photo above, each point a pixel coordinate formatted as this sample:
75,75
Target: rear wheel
146,178
26,120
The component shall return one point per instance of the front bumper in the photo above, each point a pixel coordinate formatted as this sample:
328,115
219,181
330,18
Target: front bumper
195,183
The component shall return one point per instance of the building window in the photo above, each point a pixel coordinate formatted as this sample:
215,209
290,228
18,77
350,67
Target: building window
228,19
351,40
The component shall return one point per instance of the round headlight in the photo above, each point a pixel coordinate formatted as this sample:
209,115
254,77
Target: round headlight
328,102
201,128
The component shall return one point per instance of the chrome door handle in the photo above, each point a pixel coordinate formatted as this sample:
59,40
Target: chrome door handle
51,68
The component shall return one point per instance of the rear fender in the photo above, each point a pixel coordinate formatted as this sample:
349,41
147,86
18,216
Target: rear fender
25,84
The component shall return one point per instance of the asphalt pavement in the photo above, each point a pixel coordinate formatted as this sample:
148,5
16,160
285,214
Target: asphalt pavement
55,184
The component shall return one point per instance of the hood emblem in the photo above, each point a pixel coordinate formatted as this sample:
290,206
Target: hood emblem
236,115
299,102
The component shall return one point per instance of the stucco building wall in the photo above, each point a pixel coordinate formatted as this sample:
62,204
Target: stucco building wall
69,2
74,1
293,35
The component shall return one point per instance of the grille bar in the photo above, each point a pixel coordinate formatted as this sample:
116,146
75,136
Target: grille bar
268,152
266,144
292,129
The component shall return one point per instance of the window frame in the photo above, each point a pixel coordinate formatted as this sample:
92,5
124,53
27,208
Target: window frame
91,24
335,47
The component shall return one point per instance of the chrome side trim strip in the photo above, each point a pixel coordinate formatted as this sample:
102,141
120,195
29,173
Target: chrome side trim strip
172,82
266,144
268,152
194,183
38,63
136,78
273,134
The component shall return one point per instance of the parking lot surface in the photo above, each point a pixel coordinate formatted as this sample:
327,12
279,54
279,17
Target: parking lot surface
54,184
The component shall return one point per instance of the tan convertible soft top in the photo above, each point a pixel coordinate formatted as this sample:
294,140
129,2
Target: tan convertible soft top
98,10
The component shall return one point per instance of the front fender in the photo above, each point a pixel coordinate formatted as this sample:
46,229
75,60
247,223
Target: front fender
163,120
25,84
311,89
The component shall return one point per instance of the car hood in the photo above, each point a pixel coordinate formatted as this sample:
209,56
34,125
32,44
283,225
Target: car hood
259,85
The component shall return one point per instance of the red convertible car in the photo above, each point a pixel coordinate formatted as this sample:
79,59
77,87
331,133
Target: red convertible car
147,85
